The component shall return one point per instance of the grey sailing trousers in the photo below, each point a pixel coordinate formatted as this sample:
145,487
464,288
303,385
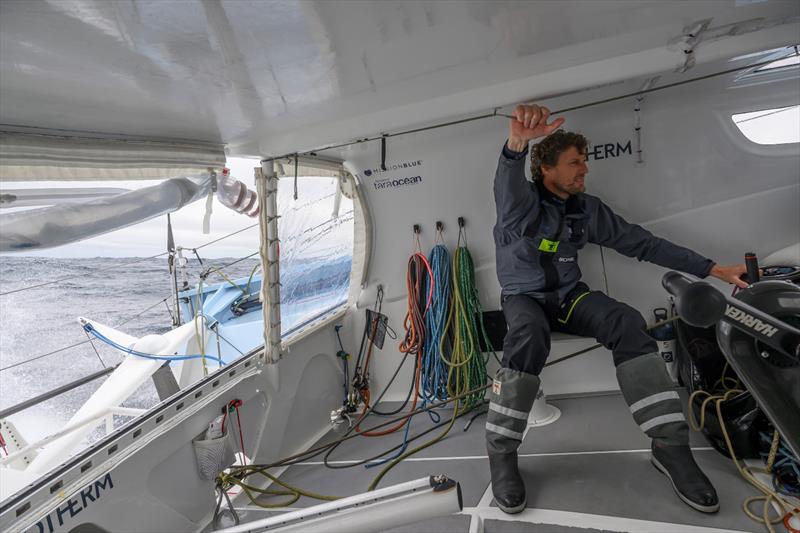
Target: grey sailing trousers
641,373
618,326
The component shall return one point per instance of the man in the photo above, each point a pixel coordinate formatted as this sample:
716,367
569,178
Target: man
540,228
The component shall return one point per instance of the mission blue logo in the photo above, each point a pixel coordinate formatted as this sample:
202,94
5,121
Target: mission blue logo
608,151
403,165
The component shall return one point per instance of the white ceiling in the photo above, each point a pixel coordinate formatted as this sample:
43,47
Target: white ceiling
267,77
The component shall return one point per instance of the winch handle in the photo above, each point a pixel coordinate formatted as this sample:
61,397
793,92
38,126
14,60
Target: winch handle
751,263
701,305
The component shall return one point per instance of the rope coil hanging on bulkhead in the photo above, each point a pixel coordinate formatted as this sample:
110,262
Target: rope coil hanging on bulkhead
437,349
467,364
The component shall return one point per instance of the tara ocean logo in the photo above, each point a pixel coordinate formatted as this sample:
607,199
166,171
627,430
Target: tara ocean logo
403,165
390,183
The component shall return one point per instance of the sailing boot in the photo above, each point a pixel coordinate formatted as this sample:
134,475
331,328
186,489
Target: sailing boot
656,407
512,397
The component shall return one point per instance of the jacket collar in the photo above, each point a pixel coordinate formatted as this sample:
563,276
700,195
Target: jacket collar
574,203
545,194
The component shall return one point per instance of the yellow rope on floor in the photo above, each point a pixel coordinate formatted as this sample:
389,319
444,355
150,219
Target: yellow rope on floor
769,496
295,493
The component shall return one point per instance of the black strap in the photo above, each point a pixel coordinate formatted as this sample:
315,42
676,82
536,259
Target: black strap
576,228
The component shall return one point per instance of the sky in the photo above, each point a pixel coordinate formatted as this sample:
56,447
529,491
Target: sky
150,237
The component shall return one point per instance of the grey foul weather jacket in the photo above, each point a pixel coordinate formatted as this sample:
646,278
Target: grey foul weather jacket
537,236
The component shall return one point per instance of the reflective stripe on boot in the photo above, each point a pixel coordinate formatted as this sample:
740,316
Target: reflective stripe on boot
512,397
652,398
656,407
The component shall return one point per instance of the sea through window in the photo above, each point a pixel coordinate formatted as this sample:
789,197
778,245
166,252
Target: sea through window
316,246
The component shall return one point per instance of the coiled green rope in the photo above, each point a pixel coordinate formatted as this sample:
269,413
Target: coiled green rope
467,365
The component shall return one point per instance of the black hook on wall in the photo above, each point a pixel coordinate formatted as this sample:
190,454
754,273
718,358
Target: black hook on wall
383,153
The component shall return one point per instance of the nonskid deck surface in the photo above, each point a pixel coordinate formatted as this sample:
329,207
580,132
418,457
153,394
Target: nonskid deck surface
588,471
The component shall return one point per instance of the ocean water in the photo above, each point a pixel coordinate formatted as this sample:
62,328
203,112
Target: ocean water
112,291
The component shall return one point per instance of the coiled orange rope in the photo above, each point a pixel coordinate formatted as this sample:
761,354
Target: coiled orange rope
414,341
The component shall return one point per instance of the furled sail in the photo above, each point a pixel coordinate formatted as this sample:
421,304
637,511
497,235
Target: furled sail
62,224
33,154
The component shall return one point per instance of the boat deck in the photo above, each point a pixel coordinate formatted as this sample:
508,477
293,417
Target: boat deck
587,471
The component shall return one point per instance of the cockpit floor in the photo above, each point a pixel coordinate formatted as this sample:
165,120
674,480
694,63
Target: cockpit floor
588,471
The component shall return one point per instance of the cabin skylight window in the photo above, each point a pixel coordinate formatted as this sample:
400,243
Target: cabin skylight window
771,65
770,126
791,60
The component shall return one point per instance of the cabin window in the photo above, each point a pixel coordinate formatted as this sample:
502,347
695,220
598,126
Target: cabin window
793,59
779,125
776,64
316,244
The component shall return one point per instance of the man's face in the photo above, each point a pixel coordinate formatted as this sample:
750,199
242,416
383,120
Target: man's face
568,176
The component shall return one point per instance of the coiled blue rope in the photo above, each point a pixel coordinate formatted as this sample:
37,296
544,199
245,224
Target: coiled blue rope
433,374
90,329
434,370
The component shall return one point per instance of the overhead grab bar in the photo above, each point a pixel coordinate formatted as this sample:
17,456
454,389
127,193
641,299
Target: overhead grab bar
496,113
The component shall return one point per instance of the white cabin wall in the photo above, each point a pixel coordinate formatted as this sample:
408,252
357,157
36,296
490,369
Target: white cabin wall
702,185
457,166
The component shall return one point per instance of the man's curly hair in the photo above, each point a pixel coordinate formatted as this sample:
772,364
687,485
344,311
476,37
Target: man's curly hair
547,151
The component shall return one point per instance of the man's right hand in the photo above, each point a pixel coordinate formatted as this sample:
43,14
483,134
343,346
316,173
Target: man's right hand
530,123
